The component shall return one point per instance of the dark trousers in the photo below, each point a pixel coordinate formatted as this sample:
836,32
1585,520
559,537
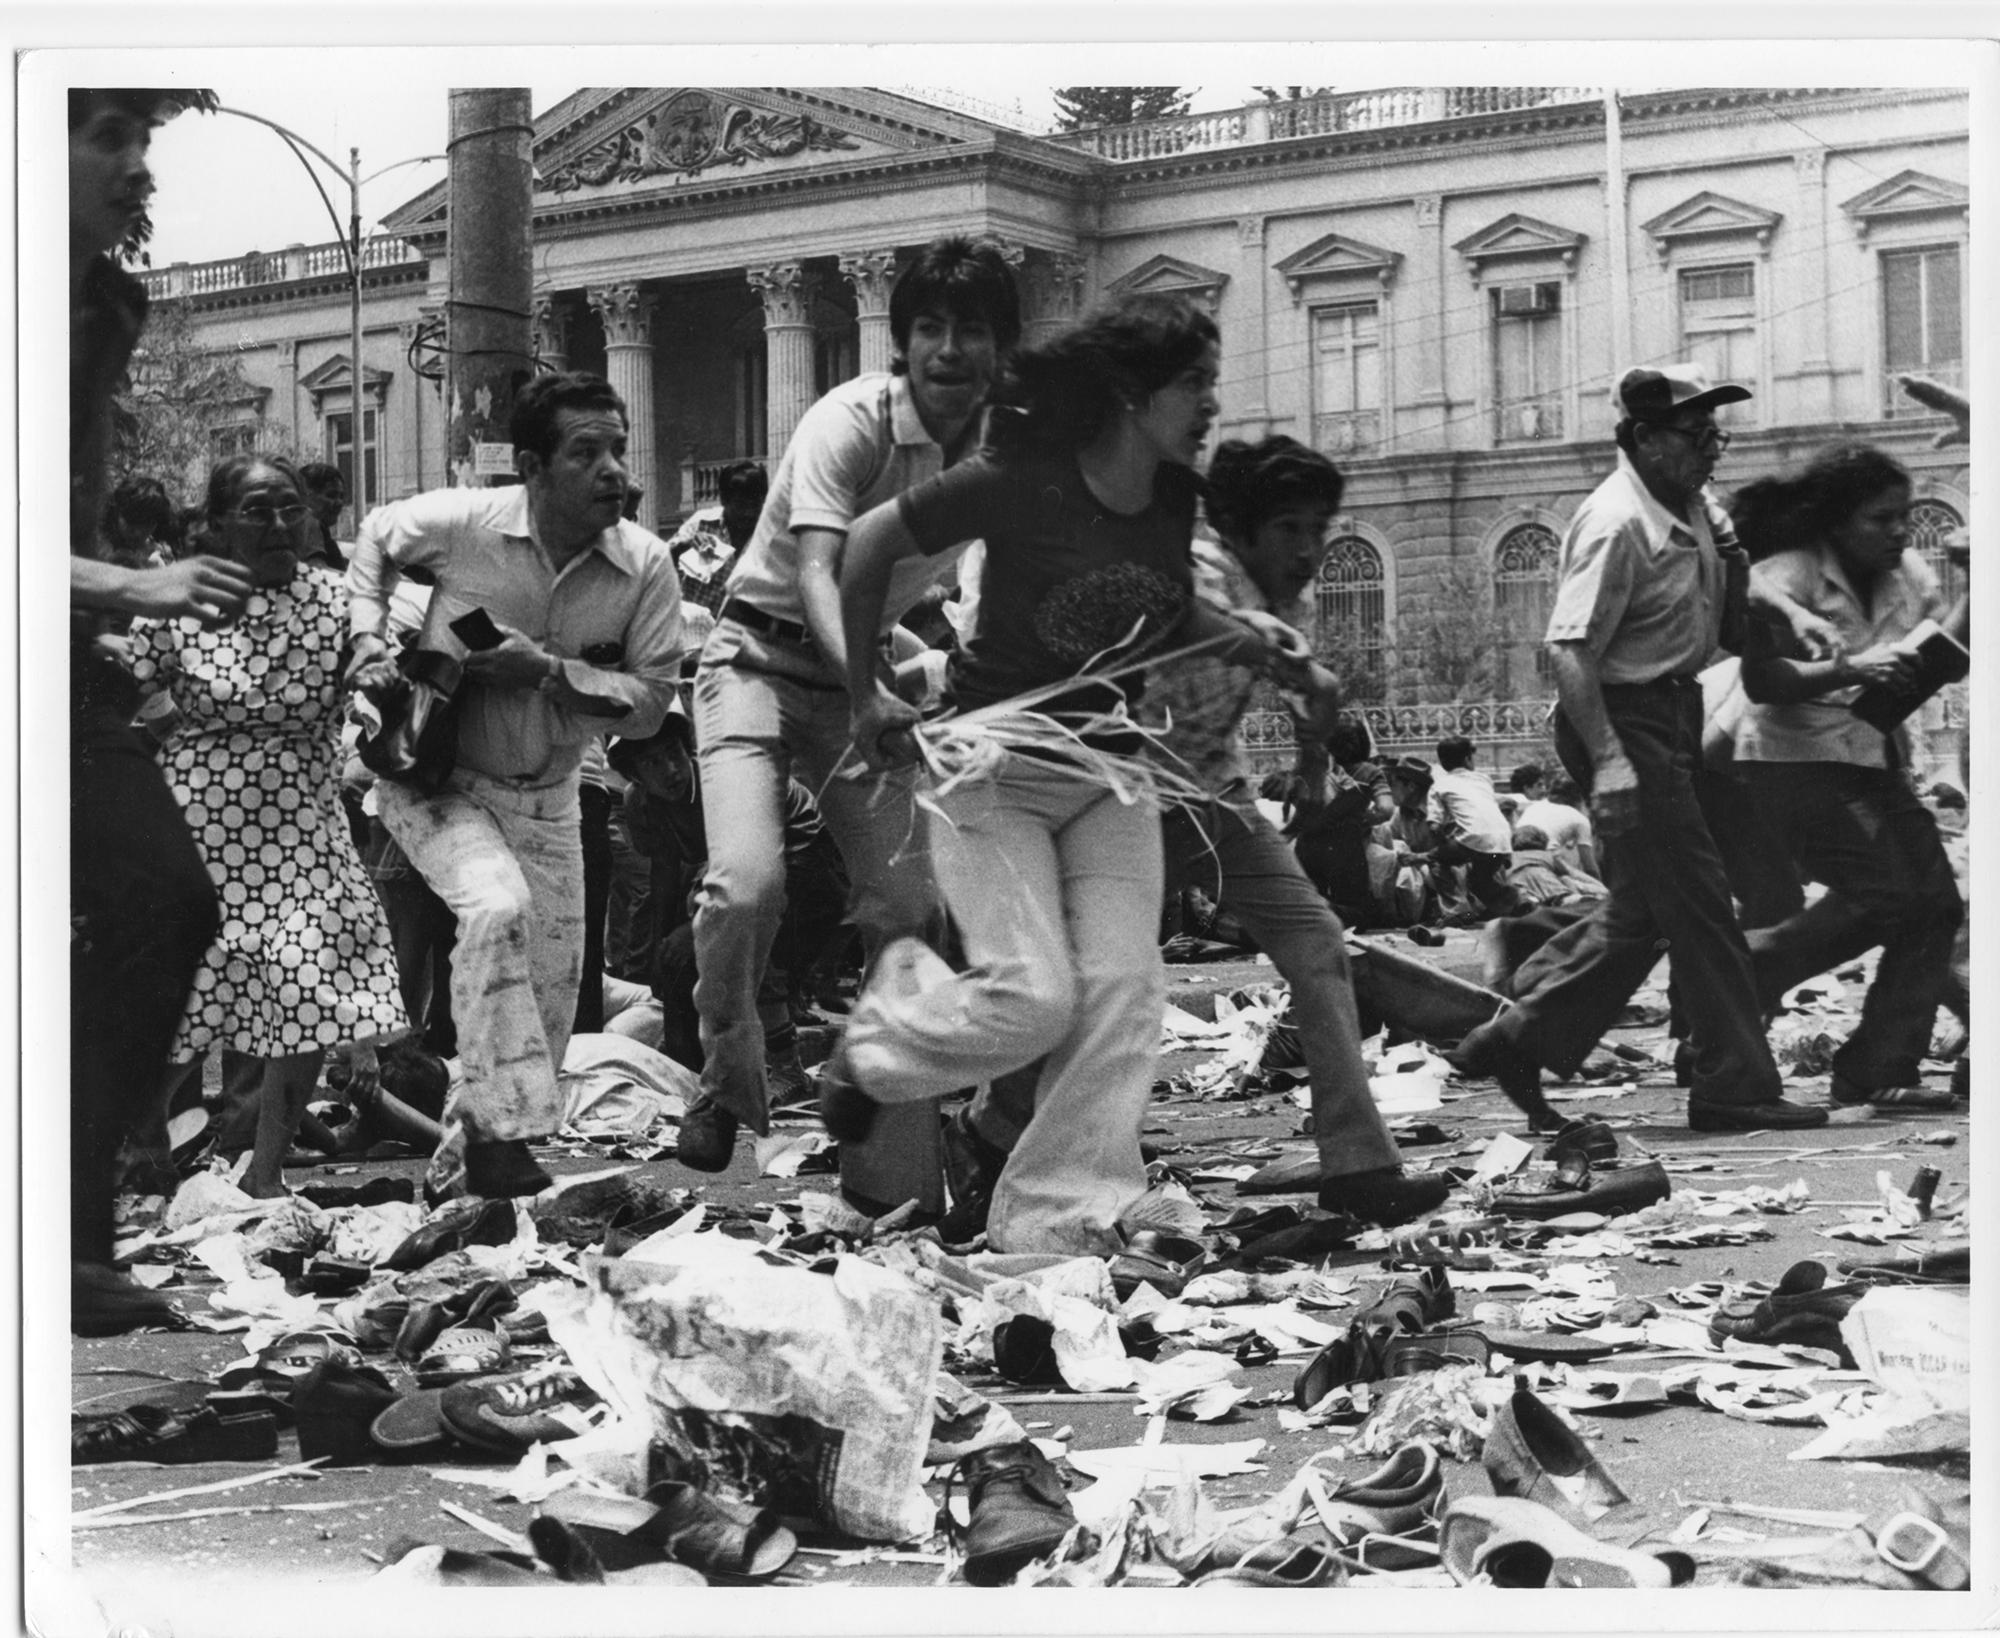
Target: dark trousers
1863,833
1667,894
422,931
143,915
1486,882
595,802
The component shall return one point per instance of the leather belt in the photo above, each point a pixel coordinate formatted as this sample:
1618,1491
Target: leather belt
752,618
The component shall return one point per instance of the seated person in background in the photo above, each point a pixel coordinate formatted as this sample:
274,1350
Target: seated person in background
326,499
1337,797
141,525
1555,808
704,548
1471,829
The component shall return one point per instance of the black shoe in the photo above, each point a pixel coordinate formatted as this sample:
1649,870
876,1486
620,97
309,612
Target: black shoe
469,1223
972,1168
1019,1511
335,1407
847,1112
1804,1310
1385,1196
708,1138
503,1169
1773,1115
1484,1055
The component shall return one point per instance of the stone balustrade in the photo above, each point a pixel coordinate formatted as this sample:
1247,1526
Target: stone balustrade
256,267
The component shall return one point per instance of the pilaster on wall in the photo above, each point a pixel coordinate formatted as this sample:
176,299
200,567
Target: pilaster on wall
552,319
872,276
1813,388
627,312
1430,422
787,289
1253,418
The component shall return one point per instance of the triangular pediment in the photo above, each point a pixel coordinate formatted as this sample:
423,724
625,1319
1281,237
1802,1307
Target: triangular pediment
1518,235
1168,274
334,376
1710,214
1334,255
1908,193
610,142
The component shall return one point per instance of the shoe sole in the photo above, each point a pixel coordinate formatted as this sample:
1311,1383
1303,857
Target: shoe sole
1713,1120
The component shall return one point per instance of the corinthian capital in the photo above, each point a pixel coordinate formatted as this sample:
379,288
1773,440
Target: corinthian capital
872,273
787,289
627,312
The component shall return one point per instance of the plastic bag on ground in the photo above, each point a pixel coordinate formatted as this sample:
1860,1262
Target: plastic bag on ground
806,1393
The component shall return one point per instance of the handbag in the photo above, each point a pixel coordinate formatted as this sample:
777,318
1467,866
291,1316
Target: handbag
417,744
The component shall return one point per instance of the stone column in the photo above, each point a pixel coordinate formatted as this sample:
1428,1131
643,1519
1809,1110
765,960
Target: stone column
627,312
552,316
1051,296
1814,381
872,273
288,390
787,289
1252,377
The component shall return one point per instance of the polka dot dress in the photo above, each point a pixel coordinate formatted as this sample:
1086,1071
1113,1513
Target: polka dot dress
303,960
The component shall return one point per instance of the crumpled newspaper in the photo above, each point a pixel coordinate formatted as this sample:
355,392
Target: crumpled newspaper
1450,1408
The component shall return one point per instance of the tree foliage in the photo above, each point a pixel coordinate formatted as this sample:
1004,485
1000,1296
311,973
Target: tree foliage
1447,643
184,406
1081,106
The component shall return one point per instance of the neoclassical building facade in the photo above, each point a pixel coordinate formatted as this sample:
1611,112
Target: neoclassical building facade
1437,286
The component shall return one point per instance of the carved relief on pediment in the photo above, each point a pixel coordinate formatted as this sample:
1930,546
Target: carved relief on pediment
691,132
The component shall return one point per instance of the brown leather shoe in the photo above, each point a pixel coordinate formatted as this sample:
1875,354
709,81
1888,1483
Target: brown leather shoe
1020,1511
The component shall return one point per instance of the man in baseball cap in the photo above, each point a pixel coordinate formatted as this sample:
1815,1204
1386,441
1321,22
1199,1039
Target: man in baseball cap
1648,568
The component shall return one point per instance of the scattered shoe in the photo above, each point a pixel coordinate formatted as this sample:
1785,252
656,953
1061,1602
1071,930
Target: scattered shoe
1507,1541
1385,1197
786,1079
707,1139
1433,1351
972,1168
462,1353
1166,1262
336,1407
1773,1115
105,1303
508,1414
288,1362
477,1222
503,1169
1611,1193
718,1535
1533,1453
1891,1100
1020,1511
152,1433
1946,1263
1804,1311
412,1422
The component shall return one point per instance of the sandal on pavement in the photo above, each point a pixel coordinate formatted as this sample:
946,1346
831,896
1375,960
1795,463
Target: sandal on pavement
1354,1356
1284,1563
1465,1246
1506,1541
719,1535
1166,1262
1411,1477
288,1362
1890,1099
149,1433
1411,1302
1433,1351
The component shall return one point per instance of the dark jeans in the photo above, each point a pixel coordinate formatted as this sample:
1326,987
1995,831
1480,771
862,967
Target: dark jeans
143,915
422,931
1486,882
1863,833
1667,893
595,802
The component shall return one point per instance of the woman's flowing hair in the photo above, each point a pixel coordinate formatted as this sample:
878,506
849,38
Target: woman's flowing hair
1774,513
1064,393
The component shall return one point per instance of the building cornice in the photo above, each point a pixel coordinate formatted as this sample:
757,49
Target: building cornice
291,292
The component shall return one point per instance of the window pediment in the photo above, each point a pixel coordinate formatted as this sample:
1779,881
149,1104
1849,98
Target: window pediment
1335,256
1906,194
1170,275
1711,215
1516,235
334,376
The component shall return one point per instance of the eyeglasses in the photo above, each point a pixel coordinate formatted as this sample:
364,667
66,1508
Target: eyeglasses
1704,439
262,517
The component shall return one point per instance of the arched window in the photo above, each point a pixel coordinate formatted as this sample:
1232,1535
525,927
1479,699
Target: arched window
1524,590
1931,524
1351,617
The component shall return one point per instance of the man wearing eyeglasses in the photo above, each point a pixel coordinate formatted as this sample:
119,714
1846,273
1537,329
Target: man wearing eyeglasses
1650,583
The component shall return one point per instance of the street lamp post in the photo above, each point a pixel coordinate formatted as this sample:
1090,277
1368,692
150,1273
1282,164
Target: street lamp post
351,243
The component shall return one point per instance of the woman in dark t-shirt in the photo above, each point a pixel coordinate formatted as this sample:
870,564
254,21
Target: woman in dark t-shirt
1085,499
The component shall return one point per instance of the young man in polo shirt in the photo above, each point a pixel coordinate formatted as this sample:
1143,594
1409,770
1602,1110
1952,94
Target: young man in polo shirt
770,700
1648,570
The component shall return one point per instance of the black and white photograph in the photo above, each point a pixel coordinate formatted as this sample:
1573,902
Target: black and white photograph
834,849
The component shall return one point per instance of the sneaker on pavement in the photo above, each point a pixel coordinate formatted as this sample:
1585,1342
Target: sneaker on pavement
509,1413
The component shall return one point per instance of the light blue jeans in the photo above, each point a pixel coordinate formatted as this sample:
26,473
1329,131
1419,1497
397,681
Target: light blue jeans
767,710
1055,887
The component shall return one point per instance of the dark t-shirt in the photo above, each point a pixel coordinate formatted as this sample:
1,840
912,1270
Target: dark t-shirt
1068,584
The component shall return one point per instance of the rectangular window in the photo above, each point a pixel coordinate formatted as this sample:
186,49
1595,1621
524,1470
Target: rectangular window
1719,331
1347,378
1922,320
340,452
1528,361
237,438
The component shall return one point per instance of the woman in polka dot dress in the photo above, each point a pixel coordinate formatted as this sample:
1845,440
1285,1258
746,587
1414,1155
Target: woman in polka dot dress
303,961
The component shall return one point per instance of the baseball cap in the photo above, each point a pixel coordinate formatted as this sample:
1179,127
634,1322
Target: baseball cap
1649,394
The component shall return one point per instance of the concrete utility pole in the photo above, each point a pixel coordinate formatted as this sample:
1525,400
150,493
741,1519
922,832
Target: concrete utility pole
488,311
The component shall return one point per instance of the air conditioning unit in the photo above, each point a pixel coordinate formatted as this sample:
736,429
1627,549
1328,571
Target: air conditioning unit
1526,300
1530,420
